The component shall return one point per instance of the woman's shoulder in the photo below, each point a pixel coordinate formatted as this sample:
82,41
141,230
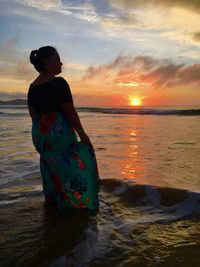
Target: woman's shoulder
57,82
41,82
61,80
62,83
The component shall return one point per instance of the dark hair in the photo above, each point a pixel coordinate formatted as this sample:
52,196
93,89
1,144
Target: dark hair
37,56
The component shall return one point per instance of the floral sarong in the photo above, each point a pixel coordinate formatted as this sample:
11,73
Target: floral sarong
68,167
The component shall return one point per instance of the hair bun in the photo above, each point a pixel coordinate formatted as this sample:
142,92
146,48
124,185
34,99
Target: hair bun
37,57
33,56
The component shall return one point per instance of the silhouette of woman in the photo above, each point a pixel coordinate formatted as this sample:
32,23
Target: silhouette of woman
68,167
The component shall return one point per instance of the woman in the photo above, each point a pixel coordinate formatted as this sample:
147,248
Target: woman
68,167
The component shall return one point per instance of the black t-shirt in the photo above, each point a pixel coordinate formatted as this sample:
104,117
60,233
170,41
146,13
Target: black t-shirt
49,96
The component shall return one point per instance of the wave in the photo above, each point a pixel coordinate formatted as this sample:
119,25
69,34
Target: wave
13,106
193,111
172,202
125,209
128,214
141,111
162,200
9,114
15,194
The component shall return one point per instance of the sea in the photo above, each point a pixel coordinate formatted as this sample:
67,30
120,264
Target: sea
149,215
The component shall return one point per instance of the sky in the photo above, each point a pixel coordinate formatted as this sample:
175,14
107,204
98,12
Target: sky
113,51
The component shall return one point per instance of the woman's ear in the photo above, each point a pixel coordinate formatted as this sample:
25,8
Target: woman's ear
45,63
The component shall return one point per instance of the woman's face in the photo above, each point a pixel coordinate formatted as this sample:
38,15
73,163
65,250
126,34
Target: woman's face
53,64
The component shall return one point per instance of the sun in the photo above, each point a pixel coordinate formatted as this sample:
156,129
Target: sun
135,101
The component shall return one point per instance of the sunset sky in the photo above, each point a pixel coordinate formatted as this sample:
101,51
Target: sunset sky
112,51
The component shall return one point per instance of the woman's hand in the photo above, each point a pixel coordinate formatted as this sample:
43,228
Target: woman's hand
72,115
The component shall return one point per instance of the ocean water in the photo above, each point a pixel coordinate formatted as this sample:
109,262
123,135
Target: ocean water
149,164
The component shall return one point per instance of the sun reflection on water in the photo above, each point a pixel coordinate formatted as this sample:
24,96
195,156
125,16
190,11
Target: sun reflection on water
133,167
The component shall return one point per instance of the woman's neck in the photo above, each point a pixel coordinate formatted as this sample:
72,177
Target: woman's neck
43,77
46,76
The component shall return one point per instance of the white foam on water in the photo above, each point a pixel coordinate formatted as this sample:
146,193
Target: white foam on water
121,189
95,246
98,240
12,201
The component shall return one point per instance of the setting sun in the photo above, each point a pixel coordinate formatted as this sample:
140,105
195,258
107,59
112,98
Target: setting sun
135,101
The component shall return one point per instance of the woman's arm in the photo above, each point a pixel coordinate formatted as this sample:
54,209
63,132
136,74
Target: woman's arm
72,116
31,112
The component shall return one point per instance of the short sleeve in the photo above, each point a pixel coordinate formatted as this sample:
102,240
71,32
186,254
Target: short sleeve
64,91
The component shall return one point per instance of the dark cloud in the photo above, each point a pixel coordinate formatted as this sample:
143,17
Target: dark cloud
123,64
190,74
196,36
163,76
144,70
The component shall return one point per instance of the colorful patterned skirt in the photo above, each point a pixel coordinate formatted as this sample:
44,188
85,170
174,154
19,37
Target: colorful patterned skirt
68,167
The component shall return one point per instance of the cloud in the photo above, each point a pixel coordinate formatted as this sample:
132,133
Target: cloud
79,9
43,5
120,20
175,18
104,7
189,74
108,19
144,71
196,36
100,100
190,55
90,11
7,49
193,4
14,64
